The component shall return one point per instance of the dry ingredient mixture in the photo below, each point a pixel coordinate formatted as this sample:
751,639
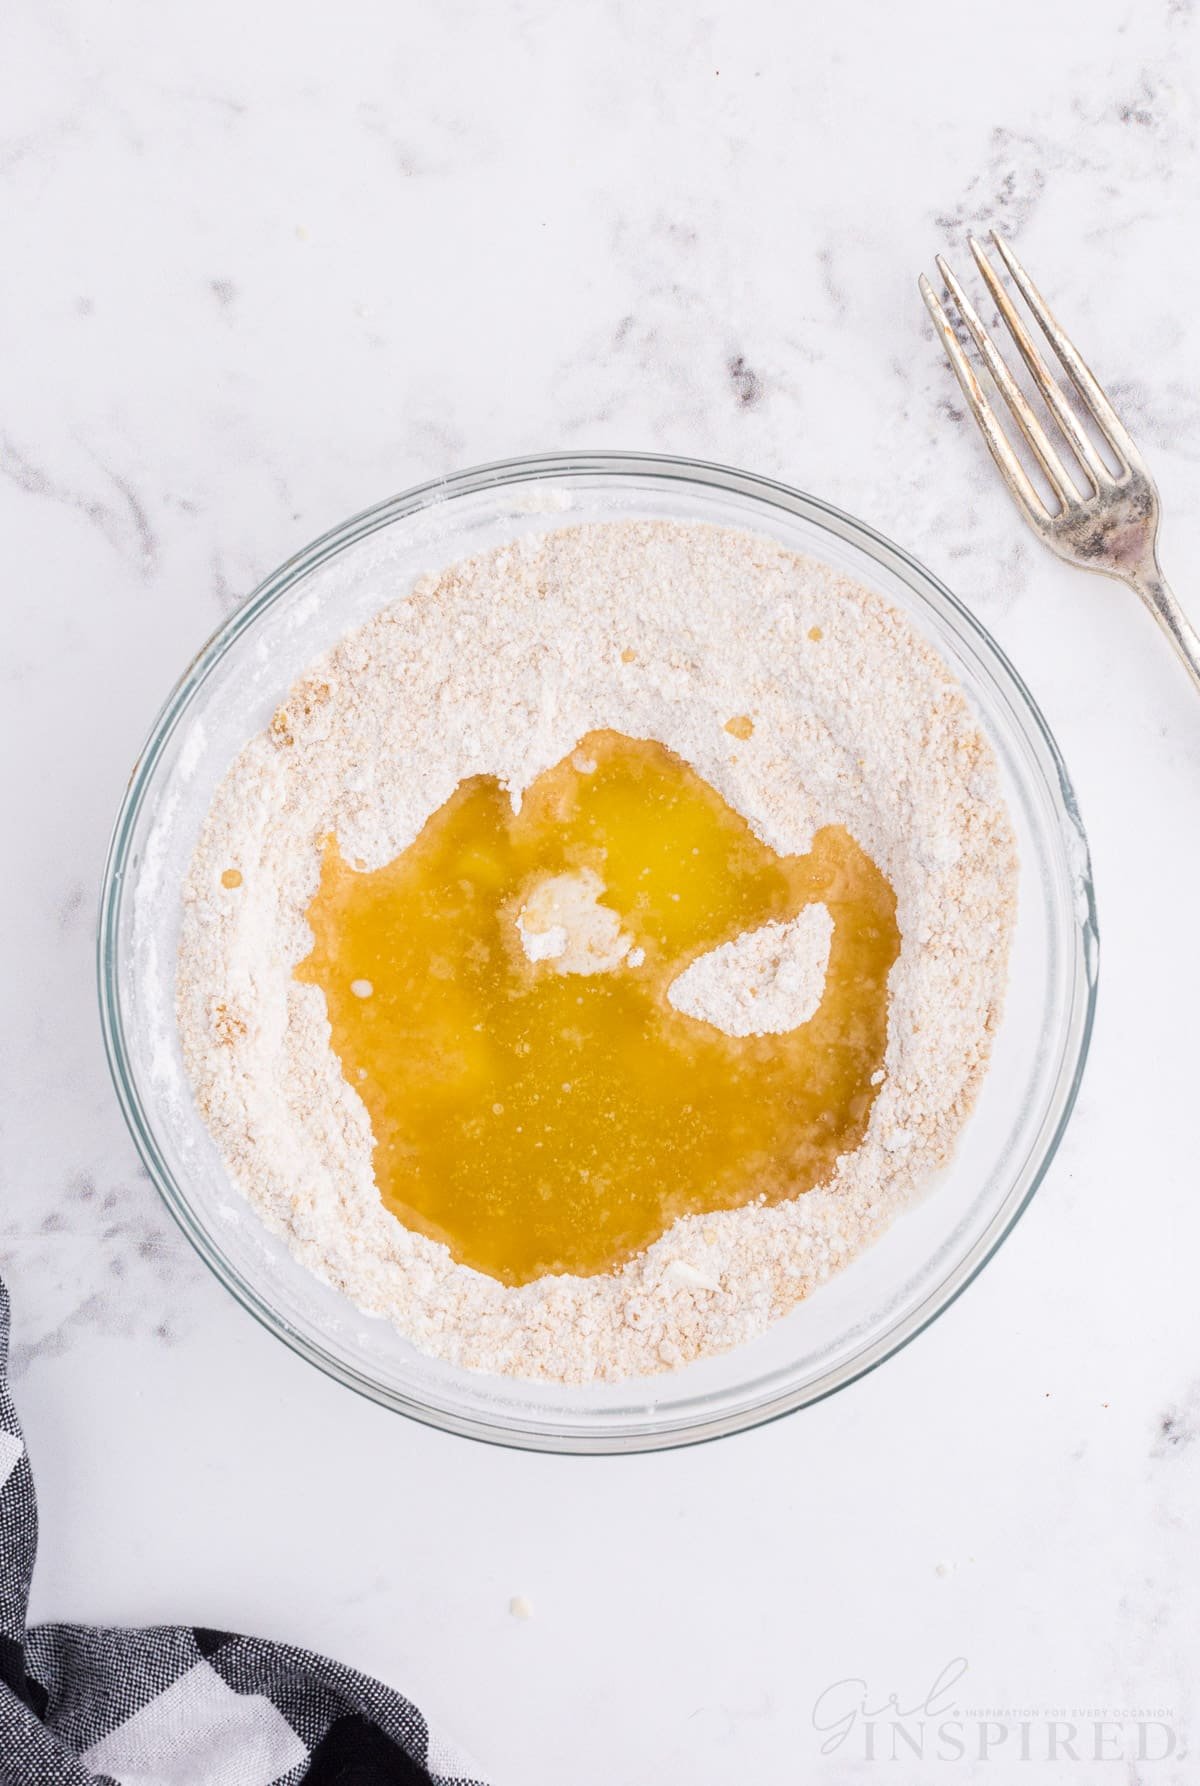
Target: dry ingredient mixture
698,964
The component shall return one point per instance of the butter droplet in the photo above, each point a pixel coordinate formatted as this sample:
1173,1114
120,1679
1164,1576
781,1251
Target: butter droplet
740,726
232,877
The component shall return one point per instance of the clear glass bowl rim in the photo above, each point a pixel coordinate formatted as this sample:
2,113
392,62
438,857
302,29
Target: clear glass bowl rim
669,468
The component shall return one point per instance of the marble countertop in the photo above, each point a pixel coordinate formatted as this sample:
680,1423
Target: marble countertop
267,264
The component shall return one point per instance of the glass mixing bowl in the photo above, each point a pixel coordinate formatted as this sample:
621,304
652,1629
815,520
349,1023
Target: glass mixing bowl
863,1314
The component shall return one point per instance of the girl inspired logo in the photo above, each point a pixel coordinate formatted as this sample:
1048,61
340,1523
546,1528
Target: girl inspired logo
934,1726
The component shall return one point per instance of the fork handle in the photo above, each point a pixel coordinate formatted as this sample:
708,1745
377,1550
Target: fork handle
1154,590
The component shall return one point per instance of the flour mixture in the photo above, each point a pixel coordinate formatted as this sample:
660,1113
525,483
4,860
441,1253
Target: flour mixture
600,947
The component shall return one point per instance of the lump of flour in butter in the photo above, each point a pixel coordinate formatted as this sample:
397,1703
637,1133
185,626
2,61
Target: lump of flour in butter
764,982
563,921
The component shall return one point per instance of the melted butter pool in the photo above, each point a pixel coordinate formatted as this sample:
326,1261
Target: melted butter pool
539,1120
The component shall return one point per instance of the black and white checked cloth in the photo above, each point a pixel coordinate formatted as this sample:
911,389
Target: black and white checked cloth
172,1705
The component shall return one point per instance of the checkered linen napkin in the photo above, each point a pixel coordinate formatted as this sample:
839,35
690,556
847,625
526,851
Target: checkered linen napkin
172,1705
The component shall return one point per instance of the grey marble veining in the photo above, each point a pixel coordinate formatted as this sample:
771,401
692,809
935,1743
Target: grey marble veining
266,265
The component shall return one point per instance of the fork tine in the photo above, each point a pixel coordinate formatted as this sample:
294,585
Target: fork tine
1081,375
1010,467
1063,414
1031,428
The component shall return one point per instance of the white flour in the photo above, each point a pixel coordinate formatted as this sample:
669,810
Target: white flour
764,982
500,665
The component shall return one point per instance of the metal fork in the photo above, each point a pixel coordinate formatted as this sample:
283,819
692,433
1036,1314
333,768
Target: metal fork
1111,523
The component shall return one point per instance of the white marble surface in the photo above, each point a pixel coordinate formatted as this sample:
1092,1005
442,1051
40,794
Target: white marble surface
266,264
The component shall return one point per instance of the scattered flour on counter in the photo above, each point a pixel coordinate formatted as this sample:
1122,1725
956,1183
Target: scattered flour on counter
500,665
